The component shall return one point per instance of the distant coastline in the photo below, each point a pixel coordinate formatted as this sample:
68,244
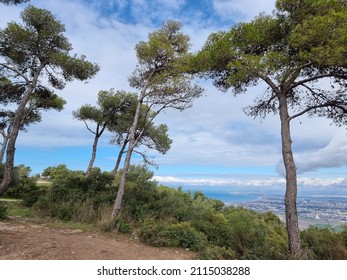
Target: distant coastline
314,209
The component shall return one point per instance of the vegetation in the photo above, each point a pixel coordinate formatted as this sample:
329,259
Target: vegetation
325,244
3,211
300,44
290,51
115,113
27,53
163,216
13,2
162,83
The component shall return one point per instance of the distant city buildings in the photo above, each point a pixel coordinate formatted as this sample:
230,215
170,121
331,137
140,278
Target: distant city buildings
311,211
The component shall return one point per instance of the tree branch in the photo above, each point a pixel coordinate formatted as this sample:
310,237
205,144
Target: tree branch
19,73
314,78
88,127
146,160
267,80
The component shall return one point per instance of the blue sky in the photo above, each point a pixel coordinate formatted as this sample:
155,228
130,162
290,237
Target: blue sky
214,142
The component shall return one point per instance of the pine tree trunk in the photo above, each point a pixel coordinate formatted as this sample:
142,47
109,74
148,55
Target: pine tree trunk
11,146
120,155
91,162
291,181
132,142
118,201
3,148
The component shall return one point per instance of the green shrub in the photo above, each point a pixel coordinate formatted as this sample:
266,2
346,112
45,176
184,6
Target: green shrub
3,211
213,252
123,227
190,220
255,235
172,235
117,225
324,243
343,235
75,197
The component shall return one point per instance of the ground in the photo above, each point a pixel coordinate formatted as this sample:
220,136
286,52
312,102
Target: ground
24,239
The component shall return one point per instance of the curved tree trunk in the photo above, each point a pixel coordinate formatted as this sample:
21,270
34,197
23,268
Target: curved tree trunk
3,148
11,146
291,180
118,201
120,155
91,162
132,143
97,134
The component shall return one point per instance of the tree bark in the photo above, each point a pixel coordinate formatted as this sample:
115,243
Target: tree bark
91,162
291,180
11,146
132,143
120,155
118,201
3,148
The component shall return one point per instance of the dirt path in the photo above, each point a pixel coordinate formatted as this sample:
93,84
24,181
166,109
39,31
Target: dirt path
26,240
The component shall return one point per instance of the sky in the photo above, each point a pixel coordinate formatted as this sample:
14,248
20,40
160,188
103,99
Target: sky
214,142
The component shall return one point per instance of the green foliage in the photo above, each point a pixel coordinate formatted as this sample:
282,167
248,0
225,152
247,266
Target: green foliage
290,51
23,187
213,252
160,74
302,42
3,211
41,41
13,2
324,244
163,216
17,209
172,235
112,110
73,196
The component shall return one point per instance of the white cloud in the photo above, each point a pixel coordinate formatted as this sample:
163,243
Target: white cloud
242,10
251,183
215,131
331,155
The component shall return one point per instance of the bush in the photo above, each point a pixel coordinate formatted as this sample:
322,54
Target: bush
213,252
172,235
191,221
3,211
75,197
256,235
324,243
107,223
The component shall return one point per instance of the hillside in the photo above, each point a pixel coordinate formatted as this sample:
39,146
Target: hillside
22,239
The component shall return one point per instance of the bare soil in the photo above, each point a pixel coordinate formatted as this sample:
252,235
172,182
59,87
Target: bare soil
23,239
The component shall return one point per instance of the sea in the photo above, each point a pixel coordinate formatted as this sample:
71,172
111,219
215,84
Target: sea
232,195
228,195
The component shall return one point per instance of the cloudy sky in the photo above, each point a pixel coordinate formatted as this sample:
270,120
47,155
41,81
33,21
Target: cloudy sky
214,142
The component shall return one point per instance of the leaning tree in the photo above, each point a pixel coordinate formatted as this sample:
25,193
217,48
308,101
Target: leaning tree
162,82
111,113
300,53
148,134
34,55
10,95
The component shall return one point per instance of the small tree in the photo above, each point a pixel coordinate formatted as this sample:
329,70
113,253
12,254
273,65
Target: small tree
302,43
150,136
30,52
112,111
160,79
